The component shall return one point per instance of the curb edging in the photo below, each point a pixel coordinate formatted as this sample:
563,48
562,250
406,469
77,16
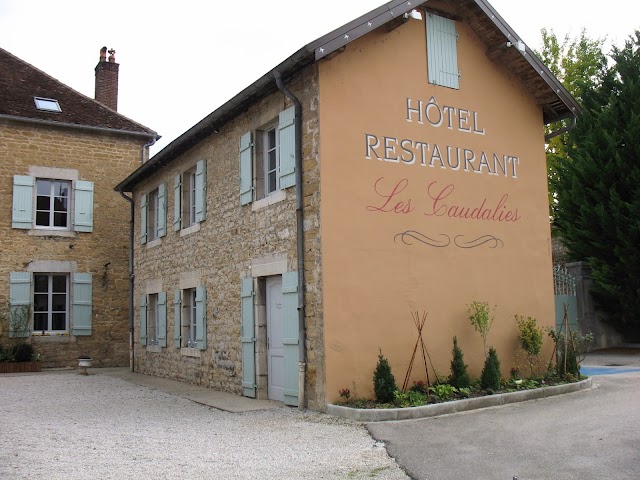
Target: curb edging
456,406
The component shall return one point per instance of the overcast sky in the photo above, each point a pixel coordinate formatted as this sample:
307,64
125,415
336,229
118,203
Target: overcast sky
180,60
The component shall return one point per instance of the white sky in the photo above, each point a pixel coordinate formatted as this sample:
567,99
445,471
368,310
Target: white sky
180,60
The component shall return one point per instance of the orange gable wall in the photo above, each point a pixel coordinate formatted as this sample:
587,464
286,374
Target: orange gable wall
374,277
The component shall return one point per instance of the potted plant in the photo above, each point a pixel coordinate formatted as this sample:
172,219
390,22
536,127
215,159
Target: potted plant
84,362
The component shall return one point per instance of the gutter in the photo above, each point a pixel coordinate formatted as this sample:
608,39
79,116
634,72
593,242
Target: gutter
51,123
132,212
562,130
299,238
131,279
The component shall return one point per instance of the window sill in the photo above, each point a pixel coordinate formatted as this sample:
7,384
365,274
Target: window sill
53,338
190,352
275,197
154,243
189,230
51,233
154,349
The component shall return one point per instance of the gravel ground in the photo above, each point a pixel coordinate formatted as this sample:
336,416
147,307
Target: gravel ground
69,426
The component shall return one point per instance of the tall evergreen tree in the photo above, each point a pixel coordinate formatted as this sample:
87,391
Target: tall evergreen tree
598,190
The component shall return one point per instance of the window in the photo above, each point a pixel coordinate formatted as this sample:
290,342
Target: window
50,302
52,204
47,104
60,301
153,217
189,318
273,168
152,320
190,196
442,54
271,163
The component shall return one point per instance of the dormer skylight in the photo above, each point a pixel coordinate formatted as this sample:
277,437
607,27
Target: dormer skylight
48,104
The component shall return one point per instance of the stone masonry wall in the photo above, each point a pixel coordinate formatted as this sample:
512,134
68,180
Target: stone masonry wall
103,159
230,238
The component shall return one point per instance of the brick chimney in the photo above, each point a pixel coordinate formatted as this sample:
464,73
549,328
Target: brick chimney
107,79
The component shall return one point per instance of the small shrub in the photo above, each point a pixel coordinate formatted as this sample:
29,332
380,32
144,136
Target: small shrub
459,376
409,399
345,393
577,346
481,319
444,391
530,336
384,383
490,378
22,352
419,387
514,373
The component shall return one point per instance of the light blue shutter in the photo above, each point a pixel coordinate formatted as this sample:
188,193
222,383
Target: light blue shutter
162,210
246,170
143,319
442,51
248,340
287,147
201,190
201,324
162,319
82,304
177,197
290,338
83,206
144,212
22,215
19,302
177,330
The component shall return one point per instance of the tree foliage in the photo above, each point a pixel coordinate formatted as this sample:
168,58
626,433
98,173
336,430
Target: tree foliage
579,63
459,376
598,189
490,378
384,383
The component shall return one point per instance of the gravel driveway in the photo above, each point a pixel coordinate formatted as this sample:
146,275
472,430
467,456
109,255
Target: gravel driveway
70,426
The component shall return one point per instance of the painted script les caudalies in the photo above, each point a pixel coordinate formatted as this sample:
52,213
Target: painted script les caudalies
392,195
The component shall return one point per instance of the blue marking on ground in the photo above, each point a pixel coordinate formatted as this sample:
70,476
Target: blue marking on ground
590,371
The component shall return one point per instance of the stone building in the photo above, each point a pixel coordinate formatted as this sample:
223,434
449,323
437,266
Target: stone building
395,165
64,261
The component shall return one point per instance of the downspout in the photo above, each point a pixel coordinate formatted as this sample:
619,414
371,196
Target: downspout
132,212
131,277
300,238
561,130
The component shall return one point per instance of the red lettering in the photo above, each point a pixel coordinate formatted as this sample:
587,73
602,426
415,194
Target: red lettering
390,201
436,208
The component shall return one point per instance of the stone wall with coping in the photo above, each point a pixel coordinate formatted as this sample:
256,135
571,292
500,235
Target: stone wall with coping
221,251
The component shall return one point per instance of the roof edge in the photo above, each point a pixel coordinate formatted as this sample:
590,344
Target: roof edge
153,135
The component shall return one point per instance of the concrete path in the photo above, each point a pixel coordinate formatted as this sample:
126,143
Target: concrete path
588,435
205,396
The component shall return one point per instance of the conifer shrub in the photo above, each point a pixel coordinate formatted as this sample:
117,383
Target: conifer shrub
459,376
384,383
490,378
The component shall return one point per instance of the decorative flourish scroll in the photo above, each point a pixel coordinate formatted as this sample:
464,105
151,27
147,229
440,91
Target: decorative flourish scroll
489,240
410,236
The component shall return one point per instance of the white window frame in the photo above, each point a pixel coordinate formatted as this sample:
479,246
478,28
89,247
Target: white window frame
51,210
267,150
47,104
189,318
153,223
189,198
49,312
152,320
